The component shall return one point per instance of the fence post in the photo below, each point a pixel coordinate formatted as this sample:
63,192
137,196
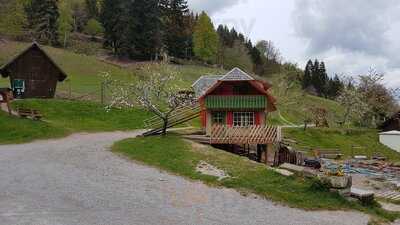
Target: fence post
102,92
69,89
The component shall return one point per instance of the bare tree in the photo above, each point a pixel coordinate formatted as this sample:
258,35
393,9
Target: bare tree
156,92
268,49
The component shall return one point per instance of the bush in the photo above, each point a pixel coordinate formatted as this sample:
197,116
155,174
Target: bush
93,28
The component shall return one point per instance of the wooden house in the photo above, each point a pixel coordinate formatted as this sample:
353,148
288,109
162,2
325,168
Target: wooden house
235,108
392,124
33,74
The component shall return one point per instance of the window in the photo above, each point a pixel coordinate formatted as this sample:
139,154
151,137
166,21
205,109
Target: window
243,119
218,117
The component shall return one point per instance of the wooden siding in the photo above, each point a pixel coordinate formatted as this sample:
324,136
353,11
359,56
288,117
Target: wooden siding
221,134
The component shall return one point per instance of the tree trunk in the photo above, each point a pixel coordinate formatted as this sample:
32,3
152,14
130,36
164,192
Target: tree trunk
164,132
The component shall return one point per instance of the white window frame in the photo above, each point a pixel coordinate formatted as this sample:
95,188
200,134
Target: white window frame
218,118
243,119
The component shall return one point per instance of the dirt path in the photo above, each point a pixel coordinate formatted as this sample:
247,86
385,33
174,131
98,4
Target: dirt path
78,181
4,108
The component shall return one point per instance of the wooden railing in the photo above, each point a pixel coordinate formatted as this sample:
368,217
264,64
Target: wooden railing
222,134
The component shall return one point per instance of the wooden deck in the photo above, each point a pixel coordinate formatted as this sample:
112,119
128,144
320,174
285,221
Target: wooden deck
222,134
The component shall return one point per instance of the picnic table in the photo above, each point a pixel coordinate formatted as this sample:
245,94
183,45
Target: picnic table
29,113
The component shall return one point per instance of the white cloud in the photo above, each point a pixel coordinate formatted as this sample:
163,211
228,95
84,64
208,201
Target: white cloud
351,36
212,6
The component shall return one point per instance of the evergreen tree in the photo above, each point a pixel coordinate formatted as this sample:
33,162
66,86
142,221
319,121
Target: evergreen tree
308,71
92,8
323,80
316,77
206,39
176,38
43,18
114,19
143,26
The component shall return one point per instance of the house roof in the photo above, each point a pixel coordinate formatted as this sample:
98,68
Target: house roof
237,74
393,132
204,83
34,45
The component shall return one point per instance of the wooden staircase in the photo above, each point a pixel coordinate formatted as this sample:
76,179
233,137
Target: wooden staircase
181,115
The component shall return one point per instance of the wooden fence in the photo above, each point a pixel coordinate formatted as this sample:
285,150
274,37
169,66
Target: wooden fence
222,134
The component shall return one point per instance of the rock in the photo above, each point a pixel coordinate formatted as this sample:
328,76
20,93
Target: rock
284,172
366,197
360,157
390,207
336,182
208,169
293,168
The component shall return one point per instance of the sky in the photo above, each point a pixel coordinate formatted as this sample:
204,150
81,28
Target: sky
351,37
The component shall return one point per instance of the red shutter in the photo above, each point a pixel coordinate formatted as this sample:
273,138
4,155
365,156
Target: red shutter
258,118
229,119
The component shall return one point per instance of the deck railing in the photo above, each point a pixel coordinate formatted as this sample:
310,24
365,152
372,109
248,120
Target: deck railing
222,134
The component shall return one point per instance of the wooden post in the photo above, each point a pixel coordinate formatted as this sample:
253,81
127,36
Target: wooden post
69,89
102,92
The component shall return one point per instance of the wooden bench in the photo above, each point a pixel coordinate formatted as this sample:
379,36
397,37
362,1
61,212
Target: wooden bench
328,153
29,113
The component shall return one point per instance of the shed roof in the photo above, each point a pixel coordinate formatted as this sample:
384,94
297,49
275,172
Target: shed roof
34,45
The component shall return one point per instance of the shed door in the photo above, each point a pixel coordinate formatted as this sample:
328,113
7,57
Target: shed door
18,87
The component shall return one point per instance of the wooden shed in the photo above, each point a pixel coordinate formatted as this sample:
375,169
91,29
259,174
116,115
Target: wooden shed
33,74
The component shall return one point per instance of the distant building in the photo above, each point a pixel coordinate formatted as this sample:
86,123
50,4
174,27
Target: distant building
33,74
392,124
391,139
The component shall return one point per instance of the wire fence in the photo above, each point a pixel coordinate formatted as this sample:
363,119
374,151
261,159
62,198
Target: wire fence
98,92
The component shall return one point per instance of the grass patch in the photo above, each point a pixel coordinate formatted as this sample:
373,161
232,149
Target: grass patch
343,139
15,130
86,116
61,118
175,155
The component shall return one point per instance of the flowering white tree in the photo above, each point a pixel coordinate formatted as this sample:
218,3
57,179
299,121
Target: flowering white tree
156,92
352,101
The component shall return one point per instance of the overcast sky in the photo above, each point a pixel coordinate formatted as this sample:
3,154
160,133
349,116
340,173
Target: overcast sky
350,36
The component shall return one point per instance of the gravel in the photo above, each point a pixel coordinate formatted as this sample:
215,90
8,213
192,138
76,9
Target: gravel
78,181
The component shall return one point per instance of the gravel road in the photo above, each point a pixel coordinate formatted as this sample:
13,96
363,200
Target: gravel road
77,181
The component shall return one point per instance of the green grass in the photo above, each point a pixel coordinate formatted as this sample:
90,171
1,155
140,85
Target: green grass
15,130
175,155
61,118
365,141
